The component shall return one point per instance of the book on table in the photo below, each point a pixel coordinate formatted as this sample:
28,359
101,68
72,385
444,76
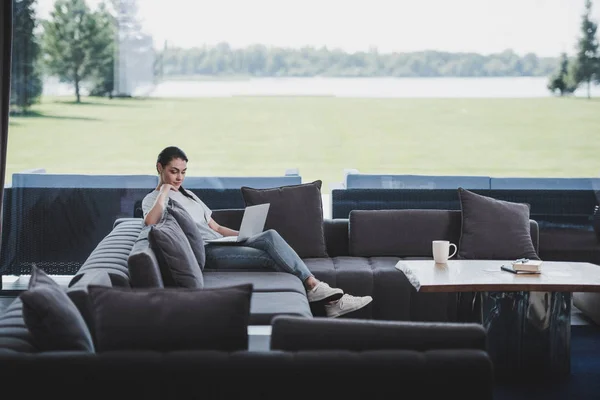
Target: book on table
509,268
527,265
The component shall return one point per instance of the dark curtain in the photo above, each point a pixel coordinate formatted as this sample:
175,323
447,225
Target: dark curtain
5,59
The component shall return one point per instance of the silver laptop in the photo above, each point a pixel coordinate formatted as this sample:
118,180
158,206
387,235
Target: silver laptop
253,223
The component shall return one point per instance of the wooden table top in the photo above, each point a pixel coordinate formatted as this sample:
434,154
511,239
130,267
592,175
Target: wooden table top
486,276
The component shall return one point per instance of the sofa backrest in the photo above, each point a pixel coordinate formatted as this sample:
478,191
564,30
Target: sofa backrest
397,355
401,233
111,254
383,232
296,333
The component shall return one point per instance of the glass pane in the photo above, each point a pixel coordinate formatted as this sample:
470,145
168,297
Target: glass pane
274,92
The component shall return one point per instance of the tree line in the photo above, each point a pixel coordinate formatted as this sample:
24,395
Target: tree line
78,45
262,61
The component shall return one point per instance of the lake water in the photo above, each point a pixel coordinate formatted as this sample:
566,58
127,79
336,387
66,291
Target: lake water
519,87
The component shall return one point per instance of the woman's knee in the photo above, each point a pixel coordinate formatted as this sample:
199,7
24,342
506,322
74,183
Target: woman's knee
271,234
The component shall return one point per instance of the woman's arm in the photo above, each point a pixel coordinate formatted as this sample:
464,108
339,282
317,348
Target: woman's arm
157,210
223,230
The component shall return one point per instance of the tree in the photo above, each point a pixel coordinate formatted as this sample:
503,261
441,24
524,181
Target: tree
562,80
26,81
68,42
103,53
586,67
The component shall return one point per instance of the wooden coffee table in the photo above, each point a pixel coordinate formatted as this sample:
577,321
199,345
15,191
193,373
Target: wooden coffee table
527,317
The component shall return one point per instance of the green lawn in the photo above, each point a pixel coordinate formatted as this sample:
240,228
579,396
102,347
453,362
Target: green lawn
320,136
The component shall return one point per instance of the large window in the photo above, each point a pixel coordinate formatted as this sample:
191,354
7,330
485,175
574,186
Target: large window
253,88
256,88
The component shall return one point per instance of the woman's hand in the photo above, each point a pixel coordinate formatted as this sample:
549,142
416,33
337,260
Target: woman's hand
157,210
166,187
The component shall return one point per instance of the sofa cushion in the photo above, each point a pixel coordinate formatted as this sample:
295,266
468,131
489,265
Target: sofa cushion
267,305
494,229
176,259
191,230
171,319
52,318
261,281
401,233
296,213
144,269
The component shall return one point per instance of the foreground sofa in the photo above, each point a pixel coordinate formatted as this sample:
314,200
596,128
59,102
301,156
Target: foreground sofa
353,359
421,360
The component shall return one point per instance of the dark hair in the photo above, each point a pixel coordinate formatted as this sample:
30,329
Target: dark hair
169,154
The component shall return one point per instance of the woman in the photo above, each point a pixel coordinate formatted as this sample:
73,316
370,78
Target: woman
269,247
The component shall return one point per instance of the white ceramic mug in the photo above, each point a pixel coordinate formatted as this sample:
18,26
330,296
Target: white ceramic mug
441,251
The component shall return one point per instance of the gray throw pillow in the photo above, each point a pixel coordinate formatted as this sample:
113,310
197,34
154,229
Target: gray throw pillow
52,318
142,263
296,213
191,230
494,229
176,259
171,319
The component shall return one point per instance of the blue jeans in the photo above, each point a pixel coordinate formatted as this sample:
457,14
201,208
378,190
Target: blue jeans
265,250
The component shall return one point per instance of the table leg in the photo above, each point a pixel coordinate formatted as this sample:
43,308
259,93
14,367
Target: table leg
529,333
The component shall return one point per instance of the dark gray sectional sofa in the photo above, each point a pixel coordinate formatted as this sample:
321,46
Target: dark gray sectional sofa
363,251
329,358
353,357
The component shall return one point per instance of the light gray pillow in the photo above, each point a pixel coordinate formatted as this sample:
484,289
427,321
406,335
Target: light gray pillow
494,229
52,318
176,259
191,230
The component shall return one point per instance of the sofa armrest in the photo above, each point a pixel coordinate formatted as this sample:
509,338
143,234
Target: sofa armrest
295,333
336,236
535,235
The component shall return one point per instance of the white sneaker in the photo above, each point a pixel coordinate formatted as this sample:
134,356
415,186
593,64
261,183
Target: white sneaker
346,304
323,292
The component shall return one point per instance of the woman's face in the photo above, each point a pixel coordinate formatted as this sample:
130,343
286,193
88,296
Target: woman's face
173,173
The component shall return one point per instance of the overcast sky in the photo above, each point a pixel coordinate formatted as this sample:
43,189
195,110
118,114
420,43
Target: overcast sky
544,27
